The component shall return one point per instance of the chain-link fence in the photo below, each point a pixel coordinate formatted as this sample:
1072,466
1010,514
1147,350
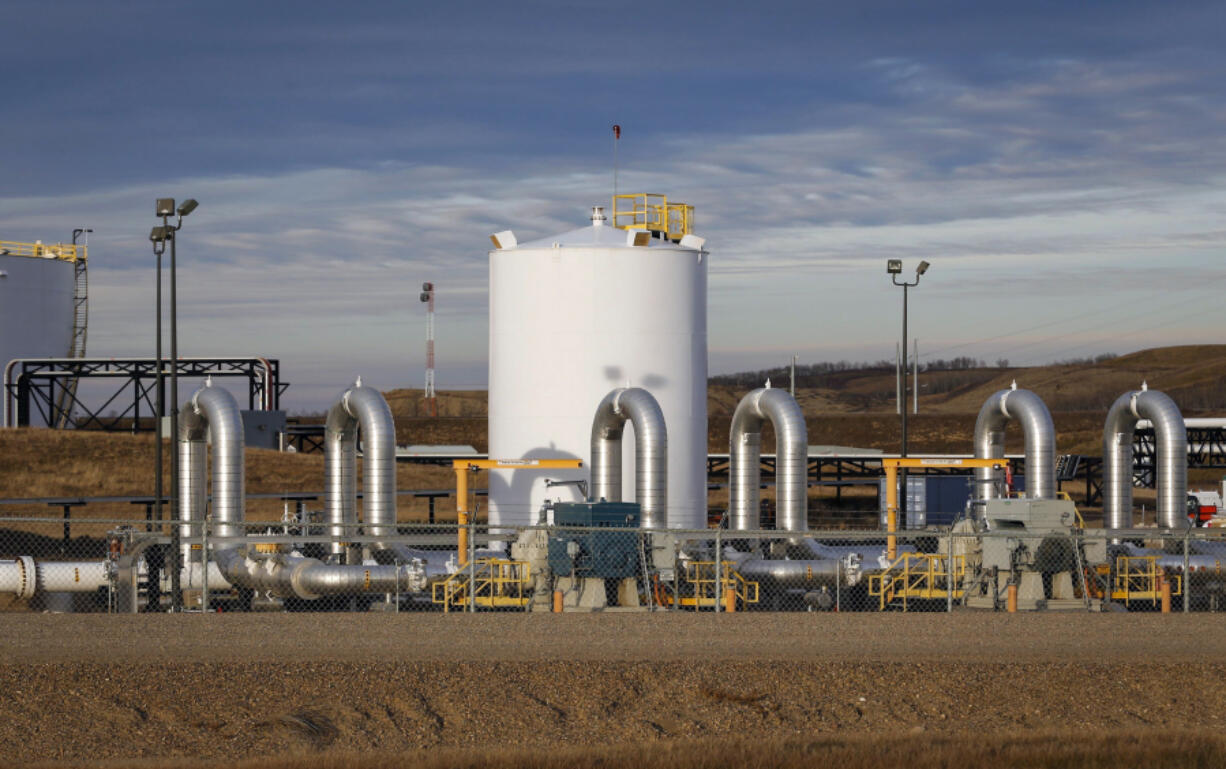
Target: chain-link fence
993,563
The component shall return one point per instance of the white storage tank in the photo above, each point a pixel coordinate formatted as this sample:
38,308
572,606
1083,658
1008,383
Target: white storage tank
35,303
573,317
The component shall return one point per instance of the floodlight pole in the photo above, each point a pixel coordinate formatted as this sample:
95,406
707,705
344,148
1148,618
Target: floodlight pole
154,595
171,233
175,586
903,405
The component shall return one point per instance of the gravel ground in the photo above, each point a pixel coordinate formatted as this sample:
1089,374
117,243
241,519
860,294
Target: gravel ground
226,686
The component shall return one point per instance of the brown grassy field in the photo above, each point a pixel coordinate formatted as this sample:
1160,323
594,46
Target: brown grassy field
44,463
859,409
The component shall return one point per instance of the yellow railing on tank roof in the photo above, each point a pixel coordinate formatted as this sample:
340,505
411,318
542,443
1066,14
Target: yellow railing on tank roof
66,253
652,211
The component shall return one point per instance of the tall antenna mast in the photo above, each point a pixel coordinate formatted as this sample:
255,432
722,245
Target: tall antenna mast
427,296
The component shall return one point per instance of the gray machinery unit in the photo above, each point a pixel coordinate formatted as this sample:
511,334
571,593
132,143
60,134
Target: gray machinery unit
1026,544
595,554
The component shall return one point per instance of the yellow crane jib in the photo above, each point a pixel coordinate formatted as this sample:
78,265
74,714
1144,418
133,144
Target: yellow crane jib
891,465
464,466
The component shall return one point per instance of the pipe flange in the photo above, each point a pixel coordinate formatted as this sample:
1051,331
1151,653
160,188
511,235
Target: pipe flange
28,577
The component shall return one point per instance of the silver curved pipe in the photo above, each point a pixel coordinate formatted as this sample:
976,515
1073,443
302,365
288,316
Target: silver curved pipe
214,410
650,452
791,460
1039,434
360,408
1172,469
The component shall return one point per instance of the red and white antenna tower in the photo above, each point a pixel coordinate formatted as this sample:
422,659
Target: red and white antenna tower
427,296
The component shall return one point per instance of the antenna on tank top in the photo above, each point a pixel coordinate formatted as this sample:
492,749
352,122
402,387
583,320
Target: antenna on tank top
617,136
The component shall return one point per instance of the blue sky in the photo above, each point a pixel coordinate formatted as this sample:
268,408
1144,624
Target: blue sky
1060,164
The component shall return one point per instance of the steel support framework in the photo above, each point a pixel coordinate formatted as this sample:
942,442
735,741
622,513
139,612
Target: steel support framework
42,388
1206,449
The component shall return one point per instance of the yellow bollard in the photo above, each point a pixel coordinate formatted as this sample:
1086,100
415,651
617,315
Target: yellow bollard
557,602
891,514
729,600
1164,590
1011,600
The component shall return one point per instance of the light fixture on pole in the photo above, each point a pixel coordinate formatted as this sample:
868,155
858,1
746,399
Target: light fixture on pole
427,297
894,268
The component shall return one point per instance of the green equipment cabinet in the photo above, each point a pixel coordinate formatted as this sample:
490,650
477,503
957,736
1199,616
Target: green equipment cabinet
600,554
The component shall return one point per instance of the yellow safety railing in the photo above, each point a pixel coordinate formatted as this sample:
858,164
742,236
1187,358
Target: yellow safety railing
651,211
701,576
918,576
494,583
66,253
1137,579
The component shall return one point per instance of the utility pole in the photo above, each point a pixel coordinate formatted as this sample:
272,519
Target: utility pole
427,296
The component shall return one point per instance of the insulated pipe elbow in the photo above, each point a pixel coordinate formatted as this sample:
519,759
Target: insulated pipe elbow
214,411
360,409
1039,434
791,462
650,452
1172,460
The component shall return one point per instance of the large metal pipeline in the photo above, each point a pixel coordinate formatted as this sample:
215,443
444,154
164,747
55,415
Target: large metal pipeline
1039,434
215,410
1172,469
650,452
793,574
23,577
791,464
360,409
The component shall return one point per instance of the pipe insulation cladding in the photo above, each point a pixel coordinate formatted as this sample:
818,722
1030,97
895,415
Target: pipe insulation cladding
573,316
1038,432
650,452
791,461
23,577
214,410
360,409
363,411
1172,468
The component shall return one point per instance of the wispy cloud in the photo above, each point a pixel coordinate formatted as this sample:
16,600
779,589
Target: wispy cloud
1039,182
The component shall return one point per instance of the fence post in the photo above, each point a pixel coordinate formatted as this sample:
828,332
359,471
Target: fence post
719,569
204,564
472,566
949,575
1185,583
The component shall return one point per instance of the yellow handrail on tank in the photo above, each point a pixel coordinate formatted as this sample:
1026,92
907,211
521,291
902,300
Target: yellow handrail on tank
61,251
652,211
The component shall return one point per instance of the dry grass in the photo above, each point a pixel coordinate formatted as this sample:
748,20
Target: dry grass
44,463
1042,750
54,463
